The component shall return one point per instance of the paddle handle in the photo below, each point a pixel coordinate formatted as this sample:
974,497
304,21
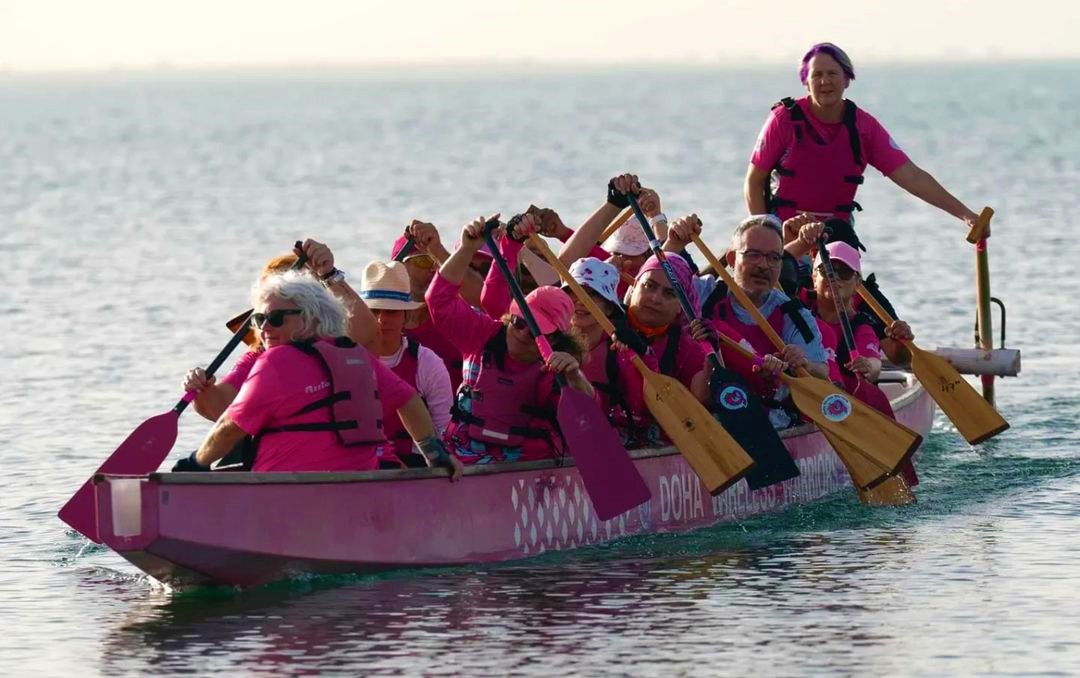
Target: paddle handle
575,287
615,225
518,295
406,249
661,256
234,341
982,225
841,312
740,296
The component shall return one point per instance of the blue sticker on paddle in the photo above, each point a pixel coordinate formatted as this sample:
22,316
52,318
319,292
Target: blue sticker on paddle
836,407
733,398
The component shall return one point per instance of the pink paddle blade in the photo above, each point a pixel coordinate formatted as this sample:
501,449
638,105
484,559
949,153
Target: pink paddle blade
609,475
140,453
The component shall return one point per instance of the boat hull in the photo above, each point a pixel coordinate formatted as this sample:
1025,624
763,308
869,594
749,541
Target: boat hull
246,529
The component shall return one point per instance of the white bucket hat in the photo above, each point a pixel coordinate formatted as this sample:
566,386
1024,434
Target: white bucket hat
599,276
628,239
386,287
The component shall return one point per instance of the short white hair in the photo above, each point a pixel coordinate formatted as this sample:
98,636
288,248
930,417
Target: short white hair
769,221
321,313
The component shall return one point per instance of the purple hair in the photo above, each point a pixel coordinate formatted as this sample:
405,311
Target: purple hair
832,50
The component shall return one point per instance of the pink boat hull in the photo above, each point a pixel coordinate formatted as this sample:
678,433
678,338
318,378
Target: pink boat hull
246,529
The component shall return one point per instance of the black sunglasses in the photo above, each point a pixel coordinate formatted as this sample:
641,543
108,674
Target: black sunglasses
275,318
843,272
518,323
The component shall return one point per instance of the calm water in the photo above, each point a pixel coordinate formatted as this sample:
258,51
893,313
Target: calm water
135,211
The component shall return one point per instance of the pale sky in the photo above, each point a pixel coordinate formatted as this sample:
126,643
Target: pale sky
102,34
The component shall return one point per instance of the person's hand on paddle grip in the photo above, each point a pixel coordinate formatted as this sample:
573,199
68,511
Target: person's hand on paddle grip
551,224
425,235
196,380
809,233
561,363
522,226
682,230
793,226
701,330
472,235
649,201
621,186
795,357
899,330
864,367
320,260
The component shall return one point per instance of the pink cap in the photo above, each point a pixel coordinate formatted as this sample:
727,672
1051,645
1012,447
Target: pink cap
551,307
841,251
399,244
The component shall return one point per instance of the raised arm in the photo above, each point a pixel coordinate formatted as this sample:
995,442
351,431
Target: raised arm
362,328
754,189
924,186
428,242
581,243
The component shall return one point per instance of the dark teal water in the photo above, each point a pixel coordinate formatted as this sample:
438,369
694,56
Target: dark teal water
135,213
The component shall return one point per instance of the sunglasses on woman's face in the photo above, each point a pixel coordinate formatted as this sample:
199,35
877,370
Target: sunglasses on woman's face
844,273
518,323
422,261
275,318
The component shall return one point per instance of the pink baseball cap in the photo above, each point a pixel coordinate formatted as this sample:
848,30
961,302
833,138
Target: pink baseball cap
399,244
550,306
841,251
599,276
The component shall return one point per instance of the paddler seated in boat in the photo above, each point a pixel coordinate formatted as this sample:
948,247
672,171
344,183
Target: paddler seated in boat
846,264
818,147
384,287
505,408
755,256
314,400
215,395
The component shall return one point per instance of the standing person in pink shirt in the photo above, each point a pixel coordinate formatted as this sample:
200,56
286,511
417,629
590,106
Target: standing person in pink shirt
505,409
818,148
384,287
314,399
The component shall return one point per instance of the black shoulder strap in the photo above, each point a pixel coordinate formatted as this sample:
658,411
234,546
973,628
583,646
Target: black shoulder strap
667,361
413,347
712,302
794,111
853,132
793,308
495,349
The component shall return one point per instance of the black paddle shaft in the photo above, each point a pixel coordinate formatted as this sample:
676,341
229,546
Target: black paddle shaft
406,249
515,288
830,276
238,336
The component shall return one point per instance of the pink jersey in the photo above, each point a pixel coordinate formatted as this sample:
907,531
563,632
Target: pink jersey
282,381
241,369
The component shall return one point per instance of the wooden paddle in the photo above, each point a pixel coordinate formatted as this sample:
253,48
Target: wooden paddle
611,480
974,417
738,409
977,236
714,455
145,448
615,225
895,490
864,437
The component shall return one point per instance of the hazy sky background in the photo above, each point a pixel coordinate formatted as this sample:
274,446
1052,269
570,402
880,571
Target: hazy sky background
103,34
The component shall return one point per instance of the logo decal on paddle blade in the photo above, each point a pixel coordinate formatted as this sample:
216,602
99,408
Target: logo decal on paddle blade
836,407
733,398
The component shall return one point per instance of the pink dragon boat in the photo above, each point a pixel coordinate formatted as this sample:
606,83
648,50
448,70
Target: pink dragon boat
246,529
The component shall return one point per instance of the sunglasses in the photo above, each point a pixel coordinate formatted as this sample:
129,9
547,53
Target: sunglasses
422,261
518,323
842,272
275,318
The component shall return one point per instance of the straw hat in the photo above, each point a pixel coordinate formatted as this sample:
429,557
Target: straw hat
386,287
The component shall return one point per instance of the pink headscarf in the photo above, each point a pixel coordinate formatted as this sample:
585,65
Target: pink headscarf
683,274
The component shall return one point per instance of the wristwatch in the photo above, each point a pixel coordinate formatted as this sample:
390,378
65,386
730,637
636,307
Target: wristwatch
335,276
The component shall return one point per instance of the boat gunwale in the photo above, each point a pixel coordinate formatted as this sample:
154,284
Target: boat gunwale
911,390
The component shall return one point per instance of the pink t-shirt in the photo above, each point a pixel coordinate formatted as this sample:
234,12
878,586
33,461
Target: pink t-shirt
282,381
879,149
241,369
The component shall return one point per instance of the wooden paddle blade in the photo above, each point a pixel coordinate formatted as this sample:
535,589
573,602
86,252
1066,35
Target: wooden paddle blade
742,414
610,478
864,472
976,419
885,442
714,455
893,491
141,452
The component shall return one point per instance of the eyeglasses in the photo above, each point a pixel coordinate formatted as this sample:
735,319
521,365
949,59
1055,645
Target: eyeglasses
422,261
275,318
518,323
844,273
756,257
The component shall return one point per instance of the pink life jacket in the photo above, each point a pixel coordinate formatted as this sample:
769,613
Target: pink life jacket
406,369
717,306
502,406
353,403
815,175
